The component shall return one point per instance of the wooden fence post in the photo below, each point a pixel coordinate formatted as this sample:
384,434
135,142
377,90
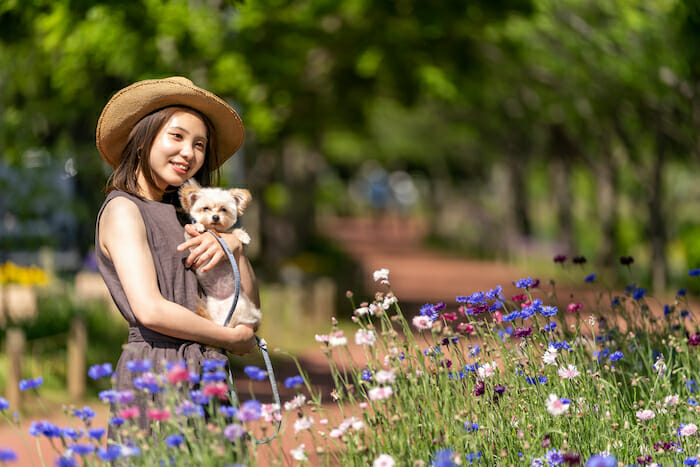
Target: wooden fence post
324,295
15,349
77,349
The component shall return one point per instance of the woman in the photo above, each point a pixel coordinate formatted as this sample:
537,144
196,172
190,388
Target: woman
156,134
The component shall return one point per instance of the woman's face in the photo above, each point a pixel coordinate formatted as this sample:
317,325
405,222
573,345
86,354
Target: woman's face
177,153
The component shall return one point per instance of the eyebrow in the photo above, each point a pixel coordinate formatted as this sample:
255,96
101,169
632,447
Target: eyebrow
176,127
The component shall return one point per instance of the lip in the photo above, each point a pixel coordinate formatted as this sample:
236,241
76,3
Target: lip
180,167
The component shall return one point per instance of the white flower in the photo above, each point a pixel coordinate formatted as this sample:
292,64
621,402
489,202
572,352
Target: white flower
422,322
570,372
388,301
688,429
295,403
591,320
299,453
337,339
671,400
382,275
365,337
322,338
550,356
556,406
303,423
362,311
336,433
380,393
271,412
385,376
645,415
487,370
384,460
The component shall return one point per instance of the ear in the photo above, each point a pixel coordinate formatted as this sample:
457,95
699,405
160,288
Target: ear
242,198
189,192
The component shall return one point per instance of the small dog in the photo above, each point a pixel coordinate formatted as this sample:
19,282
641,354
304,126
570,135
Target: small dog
218,209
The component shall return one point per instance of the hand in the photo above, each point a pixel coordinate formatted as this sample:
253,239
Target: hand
244,342
205,249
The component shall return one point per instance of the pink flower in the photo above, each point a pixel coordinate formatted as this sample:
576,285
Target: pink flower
498,316
380,393
451,316
382,275
422,322
271,412
130,412
645,414
218,389
303,423
384,460
569,372
363,405
178,374
385,376
465,328
671,400
556,406
574,307
365,337
688,429
158,415
322,338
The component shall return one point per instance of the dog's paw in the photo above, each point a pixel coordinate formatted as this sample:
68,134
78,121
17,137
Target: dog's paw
199,227
243,236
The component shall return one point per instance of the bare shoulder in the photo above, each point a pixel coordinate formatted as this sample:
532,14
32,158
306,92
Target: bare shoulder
120,222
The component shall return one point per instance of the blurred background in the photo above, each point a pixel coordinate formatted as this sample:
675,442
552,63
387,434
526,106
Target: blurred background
503,131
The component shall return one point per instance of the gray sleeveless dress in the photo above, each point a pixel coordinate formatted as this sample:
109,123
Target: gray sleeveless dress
176,283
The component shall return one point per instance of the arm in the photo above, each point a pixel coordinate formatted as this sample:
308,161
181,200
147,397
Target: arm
206,247
123,239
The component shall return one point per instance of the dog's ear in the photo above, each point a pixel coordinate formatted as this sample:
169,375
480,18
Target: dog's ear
189,192
242,197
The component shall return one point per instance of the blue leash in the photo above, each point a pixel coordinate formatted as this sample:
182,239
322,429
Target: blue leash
262,344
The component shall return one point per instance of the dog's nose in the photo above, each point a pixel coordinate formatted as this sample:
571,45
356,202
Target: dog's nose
215,218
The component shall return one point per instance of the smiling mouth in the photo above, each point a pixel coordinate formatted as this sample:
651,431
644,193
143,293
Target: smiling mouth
182,167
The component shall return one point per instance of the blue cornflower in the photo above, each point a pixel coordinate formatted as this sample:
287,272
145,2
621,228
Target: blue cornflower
213,365
85,414
293,381
692,401
198,397
109,395
667,310
494,293
96,433
110,453
476,298
367,375
551,326
589,278
473,456
461,299
172,364
82,449
548,311
27,384
429,311
630,288
214,376
534,307
443,458
615,356
471,427
45,428
554,457
194,377
100,371
615,302
542,379
190,409
690,461
681,292
70,433
4,404
639,293
116,421
147,384
228,411
471,368
65,460
691,385
255,373
524,283
497,305
174,441
137,366
602,460
561,345
694,272
685,313
7,455
511,316
475,350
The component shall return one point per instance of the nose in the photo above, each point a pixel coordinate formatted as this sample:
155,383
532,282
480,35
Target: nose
215,218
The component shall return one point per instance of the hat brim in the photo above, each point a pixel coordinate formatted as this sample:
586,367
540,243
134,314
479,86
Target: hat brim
134,102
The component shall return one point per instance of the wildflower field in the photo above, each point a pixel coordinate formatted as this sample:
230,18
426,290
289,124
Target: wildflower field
531,378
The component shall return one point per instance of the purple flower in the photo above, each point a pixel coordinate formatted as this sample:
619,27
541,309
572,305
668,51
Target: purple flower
137,366
293,381
110,453
639,293
615,356
499,389
100,371
4,404
524,283
250,411
214,376
213,365
522,332
479,388
7,455
589,278
86,414
82,449
27,384
255,373
234,432
228,411
65,461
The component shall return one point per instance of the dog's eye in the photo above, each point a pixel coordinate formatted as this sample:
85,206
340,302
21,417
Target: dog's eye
223,209
205,208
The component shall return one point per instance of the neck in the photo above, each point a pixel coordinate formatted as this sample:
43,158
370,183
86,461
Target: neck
147,190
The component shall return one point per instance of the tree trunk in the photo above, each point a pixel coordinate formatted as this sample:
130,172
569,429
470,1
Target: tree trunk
606,177
657,222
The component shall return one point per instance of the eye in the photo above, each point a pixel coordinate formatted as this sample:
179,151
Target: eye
201,146
205,208
176,135
223,209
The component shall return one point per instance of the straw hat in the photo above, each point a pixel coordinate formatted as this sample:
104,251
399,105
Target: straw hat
134,102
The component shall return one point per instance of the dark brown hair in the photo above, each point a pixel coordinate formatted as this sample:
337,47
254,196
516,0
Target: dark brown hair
137,151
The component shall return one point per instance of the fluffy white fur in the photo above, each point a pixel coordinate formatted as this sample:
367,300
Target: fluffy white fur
218,209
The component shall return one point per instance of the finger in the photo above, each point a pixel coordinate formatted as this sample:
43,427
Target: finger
213,261
195,255
192,242
191,230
